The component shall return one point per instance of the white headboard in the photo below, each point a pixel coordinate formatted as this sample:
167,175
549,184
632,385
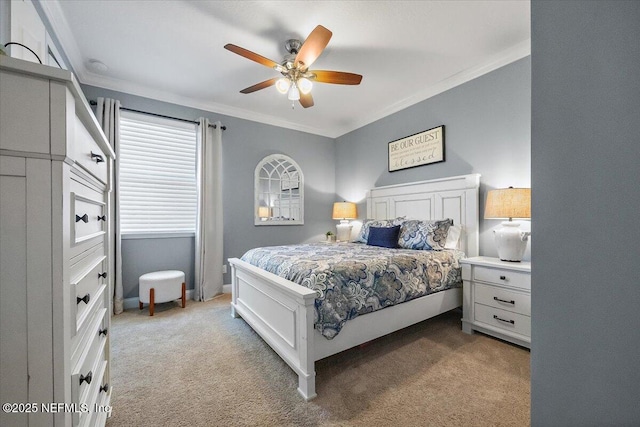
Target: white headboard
455,197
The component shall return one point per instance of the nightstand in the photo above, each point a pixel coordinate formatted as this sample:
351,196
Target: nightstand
497,299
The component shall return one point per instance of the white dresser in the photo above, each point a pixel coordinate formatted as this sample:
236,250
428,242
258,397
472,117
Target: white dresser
55,287
497,298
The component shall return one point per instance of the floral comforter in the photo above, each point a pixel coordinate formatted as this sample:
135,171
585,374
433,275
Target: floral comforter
354,278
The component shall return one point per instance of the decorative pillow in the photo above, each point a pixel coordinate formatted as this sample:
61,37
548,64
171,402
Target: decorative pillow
453,236
386,237
425,235
363,236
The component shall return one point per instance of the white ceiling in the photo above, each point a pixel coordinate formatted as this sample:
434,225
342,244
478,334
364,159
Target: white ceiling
173,51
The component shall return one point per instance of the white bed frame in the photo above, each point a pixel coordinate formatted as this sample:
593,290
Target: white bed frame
282,312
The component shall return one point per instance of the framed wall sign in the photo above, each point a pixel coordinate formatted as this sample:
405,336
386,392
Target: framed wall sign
419,149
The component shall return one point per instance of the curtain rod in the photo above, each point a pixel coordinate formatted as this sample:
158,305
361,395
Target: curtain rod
162,115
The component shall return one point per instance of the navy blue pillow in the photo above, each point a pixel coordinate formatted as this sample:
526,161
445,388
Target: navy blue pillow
386,237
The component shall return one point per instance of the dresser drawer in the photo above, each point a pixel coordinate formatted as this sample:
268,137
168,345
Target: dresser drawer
96,326
89,218
502,277
87,291
494,296
86,258
503,319
102,408
88,155
85,393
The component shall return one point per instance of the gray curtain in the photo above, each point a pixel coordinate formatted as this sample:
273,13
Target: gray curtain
209,250
108,114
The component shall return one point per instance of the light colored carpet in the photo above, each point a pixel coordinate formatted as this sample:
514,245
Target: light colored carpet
200,367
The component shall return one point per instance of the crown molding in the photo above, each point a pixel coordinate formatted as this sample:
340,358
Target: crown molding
507,56
62,30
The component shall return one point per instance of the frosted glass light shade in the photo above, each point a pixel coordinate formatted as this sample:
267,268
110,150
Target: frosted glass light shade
344,210
304,85
294,93
282,85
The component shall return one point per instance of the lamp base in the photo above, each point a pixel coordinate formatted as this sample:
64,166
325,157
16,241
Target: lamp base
511,242
343,231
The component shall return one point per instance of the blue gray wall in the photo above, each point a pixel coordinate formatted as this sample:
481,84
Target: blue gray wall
585,368
487,130
244,144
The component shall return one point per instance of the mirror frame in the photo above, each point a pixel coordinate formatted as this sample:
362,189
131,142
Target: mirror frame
277,159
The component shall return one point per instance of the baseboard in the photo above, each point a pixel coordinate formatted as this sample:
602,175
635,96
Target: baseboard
133,302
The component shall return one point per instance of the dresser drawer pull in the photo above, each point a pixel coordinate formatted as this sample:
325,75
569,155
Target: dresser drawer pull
84,218
504,320
504,300
503,277
85,299
102,218
97,157
103,332
86,378
102,275
104,388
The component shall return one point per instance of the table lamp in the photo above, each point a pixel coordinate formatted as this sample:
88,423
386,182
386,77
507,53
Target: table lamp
264,213
509,203
344,211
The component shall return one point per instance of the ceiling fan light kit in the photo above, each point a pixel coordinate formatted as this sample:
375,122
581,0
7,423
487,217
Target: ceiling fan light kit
297,78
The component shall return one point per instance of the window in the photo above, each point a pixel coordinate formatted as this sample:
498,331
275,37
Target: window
157,159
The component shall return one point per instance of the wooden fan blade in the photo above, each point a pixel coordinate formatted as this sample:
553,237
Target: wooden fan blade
251,55
260,85
336,77
312,47
306,100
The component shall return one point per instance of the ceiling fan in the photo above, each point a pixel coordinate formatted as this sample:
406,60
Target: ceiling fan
297,77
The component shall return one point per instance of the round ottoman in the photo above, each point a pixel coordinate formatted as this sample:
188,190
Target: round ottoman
161,286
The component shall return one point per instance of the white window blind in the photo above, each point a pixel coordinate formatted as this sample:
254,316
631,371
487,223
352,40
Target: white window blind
157,175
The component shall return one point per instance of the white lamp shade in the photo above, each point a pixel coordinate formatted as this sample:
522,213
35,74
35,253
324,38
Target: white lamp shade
344,210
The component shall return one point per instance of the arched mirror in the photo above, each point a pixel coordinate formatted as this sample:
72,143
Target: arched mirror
279,191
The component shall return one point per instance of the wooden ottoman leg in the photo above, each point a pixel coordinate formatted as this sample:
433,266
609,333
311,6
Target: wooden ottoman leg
152,298
140,304
184,294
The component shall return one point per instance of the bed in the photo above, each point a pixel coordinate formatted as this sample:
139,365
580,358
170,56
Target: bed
282,312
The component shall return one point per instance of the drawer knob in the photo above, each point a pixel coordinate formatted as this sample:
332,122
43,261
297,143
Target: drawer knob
102,218
86,378
504,300
85,299
503,277
103,332
104,388
84,218
102,275
97,157
504,320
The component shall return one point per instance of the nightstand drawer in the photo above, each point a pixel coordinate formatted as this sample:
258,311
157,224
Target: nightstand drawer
502,277
504,299
503,319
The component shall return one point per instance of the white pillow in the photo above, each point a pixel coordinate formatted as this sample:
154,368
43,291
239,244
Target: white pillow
453,236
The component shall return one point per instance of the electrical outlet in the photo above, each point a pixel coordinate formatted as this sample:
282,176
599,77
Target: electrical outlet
224,268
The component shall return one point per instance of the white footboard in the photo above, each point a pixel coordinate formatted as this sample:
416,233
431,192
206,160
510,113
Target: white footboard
281,313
